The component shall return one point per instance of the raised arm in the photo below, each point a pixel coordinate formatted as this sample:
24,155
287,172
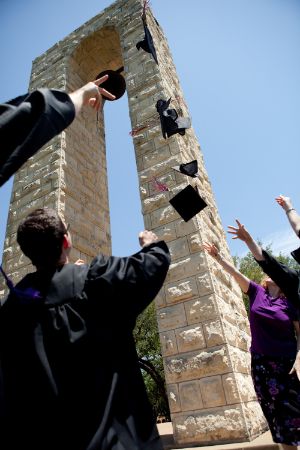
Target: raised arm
241,233
287,279
292,215
243,281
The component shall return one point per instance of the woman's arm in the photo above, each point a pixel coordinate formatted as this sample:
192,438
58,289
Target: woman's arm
296,365
287,279
292,215
231,269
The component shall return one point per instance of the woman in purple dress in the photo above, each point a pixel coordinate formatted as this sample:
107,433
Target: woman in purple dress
275,360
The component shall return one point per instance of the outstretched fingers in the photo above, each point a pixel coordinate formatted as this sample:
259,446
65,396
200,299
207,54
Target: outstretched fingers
107,94
103,91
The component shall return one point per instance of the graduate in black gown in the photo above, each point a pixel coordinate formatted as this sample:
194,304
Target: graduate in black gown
70,378
31,120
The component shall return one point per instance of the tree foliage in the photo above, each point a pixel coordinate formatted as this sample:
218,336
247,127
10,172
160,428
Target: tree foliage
150,360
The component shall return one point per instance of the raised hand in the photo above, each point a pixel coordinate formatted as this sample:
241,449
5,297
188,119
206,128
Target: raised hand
147,237
284,202
211,249
239,232
91,94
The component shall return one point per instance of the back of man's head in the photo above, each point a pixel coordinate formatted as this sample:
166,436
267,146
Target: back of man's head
40,236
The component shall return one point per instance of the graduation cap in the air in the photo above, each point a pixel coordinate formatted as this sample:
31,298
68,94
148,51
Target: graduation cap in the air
147,43
188,202
115,84
190,168
171,123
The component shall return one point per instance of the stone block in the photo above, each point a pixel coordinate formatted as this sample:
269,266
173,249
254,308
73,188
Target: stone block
160,299
157,156
194,365
238,386
187,267
201,309
254,418
212,391
190,395
184,228
204,283
190,338
174,398
166,232
171,317
213,332
168,343
179,248
157,201
207,427
240,360
181,290
163,216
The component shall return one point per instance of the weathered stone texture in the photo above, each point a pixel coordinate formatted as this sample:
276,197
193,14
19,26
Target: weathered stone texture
203,326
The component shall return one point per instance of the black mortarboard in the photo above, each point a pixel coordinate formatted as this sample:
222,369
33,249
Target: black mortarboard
190,168
188,202
170,122
147,43
115,84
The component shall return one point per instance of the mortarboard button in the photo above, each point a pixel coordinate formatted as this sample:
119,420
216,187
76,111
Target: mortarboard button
190,168
188,202
115,84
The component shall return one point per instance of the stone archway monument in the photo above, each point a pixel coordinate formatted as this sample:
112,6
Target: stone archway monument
202,321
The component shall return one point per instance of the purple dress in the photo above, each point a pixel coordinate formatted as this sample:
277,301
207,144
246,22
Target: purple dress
273,351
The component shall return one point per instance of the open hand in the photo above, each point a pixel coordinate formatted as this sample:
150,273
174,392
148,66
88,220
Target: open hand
239,232
284,202
211,249
93,93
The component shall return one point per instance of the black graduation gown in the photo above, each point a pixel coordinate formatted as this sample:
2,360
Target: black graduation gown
70,375
287,279
27,123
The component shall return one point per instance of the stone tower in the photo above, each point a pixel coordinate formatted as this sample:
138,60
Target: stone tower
202,320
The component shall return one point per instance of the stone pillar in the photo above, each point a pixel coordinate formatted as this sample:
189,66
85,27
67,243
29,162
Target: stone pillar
202,320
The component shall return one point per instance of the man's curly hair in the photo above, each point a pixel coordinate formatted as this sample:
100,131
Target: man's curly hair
40,236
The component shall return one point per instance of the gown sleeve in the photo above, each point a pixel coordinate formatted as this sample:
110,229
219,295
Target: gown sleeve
129,283
287,279
27,123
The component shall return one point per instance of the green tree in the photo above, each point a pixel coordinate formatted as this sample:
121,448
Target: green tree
150,360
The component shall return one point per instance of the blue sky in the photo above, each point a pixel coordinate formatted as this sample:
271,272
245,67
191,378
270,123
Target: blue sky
239,67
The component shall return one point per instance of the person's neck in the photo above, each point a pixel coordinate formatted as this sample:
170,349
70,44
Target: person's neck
51,268
274,291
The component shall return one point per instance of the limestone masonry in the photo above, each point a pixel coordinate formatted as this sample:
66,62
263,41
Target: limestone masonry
203,325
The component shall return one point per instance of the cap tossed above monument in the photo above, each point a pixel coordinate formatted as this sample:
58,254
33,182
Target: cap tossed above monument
188,202
147,43
190,169
171,123
115,84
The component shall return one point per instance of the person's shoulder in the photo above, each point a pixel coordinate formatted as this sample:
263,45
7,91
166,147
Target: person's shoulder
254,288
